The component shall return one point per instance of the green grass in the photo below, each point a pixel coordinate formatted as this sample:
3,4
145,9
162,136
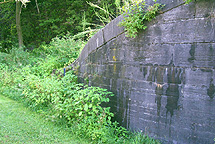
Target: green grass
20,125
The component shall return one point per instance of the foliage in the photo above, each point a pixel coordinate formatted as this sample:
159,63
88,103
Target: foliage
65,98
61,52
188,1
136,13
8,27
16,57
105,16
59,17
55,18
78,104
28,76
60,99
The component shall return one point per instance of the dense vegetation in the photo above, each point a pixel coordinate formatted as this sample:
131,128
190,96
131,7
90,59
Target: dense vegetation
188,1
47,19
54,32
40,21
27,77
136,13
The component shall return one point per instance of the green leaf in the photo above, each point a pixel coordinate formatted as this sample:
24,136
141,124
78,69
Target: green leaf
80,113
90,106
86,107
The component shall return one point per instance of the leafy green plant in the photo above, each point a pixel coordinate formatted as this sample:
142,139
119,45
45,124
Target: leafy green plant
104,15
119,131
78,104
81,105
135,14
61,52
188,1
60,99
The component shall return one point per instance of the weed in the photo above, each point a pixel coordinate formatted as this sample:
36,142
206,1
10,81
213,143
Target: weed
188,1
135,14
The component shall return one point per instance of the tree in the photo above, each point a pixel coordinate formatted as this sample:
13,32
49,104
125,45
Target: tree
18,23
18,18
31,26
5,1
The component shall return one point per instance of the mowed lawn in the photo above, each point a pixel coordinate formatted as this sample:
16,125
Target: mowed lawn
20,125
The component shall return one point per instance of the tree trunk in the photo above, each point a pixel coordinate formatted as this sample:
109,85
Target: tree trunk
18,23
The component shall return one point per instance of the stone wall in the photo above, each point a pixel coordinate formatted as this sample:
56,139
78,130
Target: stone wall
164,79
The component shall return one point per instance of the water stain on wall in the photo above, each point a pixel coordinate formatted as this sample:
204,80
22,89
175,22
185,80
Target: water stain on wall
211,90
192,53
159,93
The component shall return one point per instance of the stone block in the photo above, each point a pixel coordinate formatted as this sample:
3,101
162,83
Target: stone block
96,41
178,13
112,30
205,9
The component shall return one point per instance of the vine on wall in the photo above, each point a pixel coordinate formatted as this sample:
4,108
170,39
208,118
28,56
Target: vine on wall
188,1
136,13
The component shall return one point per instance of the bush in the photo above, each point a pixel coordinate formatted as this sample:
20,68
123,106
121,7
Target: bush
135,14
61,99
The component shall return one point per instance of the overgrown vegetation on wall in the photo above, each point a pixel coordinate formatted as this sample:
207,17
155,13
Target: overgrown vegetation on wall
188,1
136,13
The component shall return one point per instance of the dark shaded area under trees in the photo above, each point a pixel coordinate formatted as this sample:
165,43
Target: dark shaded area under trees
55,18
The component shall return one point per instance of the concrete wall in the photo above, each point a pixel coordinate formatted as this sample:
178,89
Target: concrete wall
164,79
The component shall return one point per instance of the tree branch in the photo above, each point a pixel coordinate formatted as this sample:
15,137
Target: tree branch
37,6
6,1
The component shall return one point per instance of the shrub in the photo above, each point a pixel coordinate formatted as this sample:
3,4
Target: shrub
60,99
135,14
78,104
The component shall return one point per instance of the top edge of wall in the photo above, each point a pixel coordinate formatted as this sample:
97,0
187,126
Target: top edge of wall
112,30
